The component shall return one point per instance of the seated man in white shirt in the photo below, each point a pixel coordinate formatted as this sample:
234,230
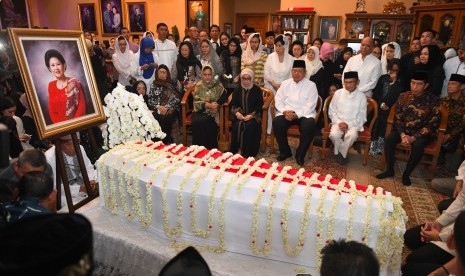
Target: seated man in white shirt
348,113
73,172
295,103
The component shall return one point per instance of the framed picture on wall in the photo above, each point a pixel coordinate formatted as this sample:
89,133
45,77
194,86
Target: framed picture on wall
329,28
112,21
228,28
198,14
61,92
14,14
87,17
137,16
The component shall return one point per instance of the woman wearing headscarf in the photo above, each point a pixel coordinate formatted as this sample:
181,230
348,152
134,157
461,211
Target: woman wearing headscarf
145,62
148,34
231,60
122,60
315,70
431,62
254,57
163,99
327,58
205,117
246,115
389,51
187,69
278,67
209,57
224,40
340,64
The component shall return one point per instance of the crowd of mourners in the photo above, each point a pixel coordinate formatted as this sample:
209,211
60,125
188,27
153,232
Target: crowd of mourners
217,68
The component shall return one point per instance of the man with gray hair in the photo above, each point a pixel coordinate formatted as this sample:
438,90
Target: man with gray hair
455,65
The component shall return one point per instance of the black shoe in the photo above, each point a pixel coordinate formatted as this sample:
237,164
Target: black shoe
385,174
283,157
406,180
345,160
300,161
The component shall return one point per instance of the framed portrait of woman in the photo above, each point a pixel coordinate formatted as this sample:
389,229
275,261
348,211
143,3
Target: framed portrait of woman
329,28
137,17
198,14
111,15
59,81
87,17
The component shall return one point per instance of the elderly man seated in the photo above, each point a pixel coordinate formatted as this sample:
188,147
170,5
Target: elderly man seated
348,113
73,170
295,102
36,197
416,119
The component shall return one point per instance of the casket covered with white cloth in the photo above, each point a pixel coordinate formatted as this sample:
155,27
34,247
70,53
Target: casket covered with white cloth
224,202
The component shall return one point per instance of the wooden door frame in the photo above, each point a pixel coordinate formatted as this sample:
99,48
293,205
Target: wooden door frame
237,27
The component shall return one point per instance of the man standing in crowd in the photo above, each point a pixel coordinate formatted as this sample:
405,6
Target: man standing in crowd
455,65
348,113
343,43
165,48
194,39
417,118
269,42
367,66
215,36
407,63
132,46
295,102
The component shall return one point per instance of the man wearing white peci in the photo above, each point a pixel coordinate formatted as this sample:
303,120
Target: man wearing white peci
348,113
367,66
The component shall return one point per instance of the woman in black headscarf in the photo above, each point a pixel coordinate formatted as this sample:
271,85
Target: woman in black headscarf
431,61
187,69
231,60
224,42
163,99
246,116
340,64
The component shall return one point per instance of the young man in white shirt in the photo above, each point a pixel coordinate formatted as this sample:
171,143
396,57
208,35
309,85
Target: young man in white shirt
295,103
348,113
165,48
367,66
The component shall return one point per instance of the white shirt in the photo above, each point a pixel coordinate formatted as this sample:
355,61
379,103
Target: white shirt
350,108
166,51
124,70
300,97
91,172
369,71
452,66
137,72
277,71
217,43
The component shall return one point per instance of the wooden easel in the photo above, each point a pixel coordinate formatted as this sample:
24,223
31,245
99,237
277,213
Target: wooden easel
61,176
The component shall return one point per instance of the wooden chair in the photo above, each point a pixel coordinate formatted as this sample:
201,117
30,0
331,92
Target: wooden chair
294,129
363,136
432,150
187,107
268,102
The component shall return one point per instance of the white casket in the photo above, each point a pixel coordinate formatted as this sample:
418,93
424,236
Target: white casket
223,202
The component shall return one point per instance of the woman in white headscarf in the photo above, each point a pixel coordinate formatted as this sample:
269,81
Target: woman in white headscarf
315,69
389,51
122,60
254,57
278,67
246,116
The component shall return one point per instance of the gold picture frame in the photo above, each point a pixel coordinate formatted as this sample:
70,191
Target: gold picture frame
329,28
87,13
63,97
137,17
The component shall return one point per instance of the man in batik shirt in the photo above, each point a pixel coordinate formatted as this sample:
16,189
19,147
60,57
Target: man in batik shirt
416,120
455,103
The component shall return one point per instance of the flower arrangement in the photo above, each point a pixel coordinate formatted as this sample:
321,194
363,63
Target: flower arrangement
128,118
